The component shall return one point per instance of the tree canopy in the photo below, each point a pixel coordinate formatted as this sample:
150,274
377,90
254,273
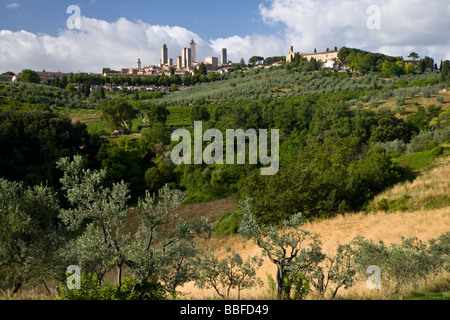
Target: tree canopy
29,76
117,113
31,143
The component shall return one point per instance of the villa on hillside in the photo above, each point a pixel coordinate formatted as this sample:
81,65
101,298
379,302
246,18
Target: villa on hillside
322,56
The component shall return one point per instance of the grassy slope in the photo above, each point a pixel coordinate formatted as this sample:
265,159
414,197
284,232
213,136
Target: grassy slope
419,220
390,228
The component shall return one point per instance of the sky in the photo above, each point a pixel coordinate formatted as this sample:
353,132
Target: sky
35,34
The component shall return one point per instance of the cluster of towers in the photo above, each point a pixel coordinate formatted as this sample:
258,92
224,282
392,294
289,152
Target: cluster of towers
188,57
185,63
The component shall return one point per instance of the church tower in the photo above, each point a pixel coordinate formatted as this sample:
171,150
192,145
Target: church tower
193,56
164,55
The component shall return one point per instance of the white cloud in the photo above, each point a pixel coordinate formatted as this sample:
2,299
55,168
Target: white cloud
13,5
406,26
96,45
238,47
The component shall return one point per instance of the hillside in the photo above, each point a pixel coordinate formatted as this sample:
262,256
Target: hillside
417,218
359,155
379,226
282,82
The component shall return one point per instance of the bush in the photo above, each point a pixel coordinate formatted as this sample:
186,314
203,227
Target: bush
400,109
228,224
400,100
91,289
402,264
425,139
374,101
419,142
396,146
295,287
426,92
442,135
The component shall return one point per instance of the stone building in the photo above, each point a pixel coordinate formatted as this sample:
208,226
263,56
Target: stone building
322,56
186,59
224,56
192,46
164,55
291,55
212,63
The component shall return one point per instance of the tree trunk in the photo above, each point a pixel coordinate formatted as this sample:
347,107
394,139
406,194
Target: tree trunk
119,275
280,280
45,285
17,287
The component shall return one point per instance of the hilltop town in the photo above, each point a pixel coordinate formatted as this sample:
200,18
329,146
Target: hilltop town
187,62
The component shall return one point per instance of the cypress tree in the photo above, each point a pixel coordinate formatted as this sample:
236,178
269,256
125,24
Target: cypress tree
445,71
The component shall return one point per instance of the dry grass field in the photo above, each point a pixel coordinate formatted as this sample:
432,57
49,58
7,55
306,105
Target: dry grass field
390,228
377,226
429,190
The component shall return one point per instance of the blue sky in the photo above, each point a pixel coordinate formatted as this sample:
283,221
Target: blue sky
115,33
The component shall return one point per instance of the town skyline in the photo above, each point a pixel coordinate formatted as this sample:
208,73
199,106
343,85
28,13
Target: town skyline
114,35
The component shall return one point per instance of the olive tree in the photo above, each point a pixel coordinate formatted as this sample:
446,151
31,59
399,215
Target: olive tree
230,272
161,248
400,264
90,253
285,247
29,234
165,244
338,271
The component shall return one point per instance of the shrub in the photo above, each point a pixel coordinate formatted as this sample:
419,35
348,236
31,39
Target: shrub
396,146
295,287
400,100
130,290
400,109
419,142
442,135
374,101
386,95
402,264
424,140
228,224
426,92
227,273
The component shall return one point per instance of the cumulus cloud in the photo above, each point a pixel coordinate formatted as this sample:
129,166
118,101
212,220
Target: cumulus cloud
405,25
96,45
246,47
